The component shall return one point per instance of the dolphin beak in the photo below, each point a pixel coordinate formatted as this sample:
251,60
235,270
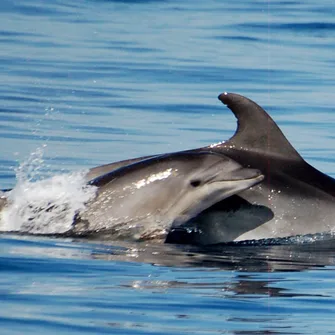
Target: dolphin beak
245,173
240,174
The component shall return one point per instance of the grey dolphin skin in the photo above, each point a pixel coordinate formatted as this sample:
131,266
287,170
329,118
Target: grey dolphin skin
143,200
301,197
294,198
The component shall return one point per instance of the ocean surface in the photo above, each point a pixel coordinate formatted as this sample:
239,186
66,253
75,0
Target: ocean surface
85,83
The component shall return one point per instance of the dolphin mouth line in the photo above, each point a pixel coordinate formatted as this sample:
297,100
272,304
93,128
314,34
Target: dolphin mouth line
257,178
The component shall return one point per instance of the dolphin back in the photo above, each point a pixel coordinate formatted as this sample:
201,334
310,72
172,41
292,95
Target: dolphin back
259,143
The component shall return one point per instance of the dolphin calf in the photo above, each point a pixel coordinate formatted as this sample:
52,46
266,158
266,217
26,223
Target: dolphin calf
143,200
294,198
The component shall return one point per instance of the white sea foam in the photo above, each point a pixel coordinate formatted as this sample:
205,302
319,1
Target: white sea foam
45,206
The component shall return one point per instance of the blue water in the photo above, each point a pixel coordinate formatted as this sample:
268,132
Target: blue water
90,82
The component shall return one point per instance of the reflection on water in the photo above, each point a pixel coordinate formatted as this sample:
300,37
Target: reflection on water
260,257
235,288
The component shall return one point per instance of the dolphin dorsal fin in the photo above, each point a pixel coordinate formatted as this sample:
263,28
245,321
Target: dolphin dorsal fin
259,143
256,131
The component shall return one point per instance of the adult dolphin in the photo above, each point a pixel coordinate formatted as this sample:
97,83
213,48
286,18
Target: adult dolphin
300,197
144,199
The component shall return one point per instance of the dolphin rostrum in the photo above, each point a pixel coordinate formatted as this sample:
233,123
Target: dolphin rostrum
294,198
144,199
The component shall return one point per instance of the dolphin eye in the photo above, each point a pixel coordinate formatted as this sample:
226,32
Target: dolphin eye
195,182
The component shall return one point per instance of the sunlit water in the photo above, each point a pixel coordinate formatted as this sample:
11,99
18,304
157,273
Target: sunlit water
91,82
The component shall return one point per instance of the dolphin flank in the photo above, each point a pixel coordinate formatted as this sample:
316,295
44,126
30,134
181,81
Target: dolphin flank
144,199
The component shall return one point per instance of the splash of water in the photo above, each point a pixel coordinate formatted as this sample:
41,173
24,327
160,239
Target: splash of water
33,168
45,206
